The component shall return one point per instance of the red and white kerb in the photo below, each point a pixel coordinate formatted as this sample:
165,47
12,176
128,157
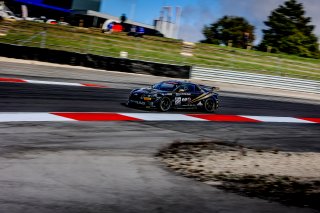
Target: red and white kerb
110,116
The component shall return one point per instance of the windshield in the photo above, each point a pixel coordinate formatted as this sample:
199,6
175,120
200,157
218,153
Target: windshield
164,86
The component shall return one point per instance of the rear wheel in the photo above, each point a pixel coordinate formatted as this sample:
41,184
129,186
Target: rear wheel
164,104
209,105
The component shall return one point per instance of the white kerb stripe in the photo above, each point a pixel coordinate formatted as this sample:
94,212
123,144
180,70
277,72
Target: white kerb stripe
277,119
53,83
162,117
11,117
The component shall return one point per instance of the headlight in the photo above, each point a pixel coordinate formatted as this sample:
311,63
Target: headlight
147,98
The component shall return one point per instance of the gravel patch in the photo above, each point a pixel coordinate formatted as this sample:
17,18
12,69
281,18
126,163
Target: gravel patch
292,178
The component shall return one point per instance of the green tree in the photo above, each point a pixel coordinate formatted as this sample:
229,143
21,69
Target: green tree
290,32
229,28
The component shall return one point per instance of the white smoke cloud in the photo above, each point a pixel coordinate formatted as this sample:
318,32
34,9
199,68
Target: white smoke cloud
255,11
193,19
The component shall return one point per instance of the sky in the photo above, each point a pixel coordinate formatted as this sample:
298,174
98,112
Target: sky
197,13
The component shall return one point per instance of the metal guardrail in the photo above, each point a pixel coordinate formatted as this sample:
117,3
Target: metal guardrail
252,79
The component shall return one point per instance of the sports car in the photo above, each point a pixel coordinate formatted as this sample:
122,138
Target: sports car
175,94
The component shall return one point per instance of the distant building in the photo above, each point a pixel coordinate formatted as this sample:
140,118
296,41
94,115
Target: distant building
89,14
166,25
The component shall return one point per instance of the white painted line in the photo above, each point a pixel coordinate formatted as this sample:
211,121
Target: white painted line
53,83
162,117
38,116
277,119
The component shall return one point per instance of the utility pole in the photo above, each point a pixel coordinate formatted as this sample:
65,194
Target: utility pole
133,9
177,22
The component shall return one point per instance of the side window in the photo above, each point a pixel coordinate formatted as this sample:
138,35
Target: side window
182,87
197,88
190,87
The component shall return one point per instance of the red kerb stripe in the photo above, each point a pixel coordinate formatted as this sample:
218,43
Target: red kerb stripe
316,120
13,80
95,116
223,118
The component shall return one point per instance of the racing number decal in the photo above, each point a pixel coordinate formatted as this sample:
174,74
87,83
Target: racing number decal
186,100
182,101
177,101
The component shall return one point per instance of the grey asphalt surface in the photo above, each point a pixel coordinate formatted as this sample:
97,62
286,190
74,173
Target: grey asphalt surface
110,166
46,71
21,97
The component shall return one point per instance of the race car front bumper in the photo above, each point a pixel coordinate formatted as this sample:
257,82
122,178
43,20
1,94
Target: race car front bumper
146,102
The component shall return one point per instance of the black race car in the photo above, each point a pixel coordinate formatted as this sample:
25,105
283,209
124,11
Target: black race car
175,94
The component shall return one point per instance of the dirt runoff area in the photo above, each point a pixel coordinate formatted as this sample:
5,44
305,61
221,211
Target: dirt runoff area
292,178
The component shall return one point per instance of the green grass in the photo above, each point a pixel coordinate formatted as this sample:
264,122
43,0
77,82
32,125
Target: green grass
159,49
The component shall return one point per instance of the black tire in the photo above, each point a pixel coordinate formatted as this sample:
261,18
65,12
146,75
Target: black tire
209,105
164,104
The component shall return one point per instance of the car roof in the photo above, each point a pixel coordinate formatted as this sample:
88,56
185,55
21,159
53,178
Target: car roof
178,82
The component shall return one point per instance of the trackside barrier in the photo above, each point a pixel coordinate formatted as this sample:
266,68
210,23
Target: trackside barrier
94,61
250,79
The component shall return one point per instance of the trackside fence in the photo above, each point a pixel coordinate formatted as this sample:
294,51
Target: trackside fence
228,76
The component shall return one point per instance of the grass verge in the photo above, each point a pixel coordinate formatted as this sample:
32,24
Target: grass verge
91,40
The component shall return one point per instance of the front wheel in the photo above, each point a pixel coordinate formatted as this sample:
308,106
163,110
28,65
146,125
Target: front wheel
164,104
129,104
209,105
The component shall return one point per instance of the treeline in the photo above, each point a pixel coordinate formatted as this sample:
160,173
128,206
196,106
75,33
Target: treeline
288,31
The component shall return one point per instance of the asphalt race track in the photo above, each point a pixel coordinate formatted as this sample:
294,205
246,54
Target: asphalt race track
110,166
17,97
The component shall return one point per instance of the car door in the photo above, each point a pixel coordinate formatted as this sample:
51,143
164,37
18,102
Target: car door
183,96
197,94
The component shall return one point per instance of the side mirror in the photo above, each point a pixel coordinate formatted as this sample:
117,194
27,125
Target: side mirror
181,90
